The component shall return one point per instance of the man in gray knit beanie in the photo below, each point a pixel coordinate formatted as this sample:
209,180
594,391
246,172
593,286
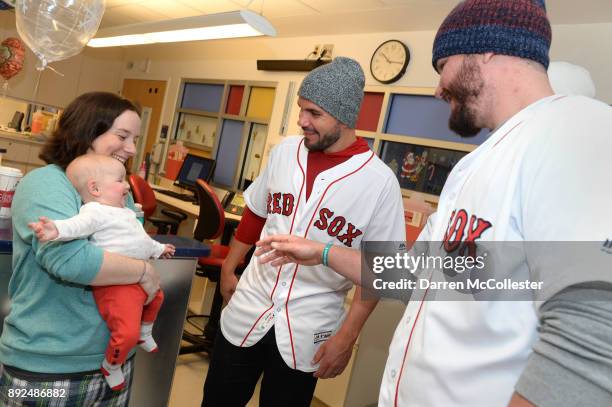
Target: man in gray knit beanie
337,88
291,326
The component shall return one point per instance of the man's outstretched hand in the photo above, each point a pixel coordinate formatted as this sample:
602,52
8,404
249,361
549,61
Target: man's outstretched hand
282,249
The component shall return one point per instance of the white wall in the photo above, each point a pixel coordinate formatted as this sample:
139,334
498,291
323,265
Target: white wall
588,45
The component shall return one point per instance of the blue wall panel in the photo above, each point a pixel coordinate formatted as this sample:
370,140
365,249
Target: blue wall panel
228,152
201,96
424,116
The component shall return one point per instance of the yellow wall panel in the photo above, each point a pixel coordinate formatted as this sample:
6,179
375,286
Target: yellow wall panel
260,103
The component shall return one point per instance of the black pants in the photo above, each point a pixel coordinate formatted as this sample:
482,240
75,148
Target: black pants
234,372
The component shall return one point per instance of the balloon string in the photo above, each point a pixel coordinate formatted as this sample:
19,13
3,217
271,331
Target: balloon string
36,86
55,70
40,71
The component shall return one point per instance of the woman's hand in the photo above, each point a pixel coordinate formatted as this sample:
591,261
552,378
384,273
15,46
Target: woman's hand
282,249
149,281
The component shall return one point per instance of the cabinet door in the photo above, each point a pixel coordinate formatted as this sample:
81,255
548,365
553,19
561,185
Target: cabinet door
255,151
228,152
15,151
33,160
199,130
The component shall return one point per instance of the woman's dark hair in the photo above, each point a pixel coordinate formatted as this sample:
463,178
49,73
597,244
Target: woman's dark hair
86,117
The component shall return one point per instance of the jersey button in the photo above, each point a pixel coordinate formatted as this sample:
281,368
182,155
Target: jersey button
284,283
279,309
393,373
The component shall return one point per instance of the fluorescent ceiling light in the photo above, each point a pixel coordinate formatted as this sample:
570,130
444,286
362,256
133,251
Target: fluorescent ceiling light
244,23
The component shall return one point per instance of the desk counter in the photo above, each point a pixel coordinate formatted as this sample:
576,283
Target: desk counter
185,247
154,372
188,208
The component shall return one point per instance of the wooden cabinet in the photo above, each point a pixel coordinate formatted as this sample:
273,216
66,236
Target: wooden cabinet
21,151
228,120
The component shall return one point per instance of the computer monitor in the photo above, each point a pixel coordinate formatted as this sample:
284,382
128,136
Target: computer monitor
195,167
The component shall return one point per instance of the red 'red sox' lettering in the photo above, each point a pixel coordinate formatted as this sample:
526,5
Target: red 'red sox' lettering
281,204
334,227
458,226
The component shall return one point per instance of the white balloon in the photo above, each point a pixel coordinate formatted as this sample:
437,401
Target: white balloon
57,29
569,79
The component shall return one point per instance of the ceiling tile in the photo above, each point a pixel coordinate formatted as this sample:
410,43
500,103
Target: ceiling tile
141,13
243,3
282,8
115,3
343,6
210,7
118,15
177,10
314,17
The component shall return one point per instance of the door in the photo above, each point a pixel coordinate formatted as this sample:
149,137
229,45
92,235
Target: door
145,125
147,93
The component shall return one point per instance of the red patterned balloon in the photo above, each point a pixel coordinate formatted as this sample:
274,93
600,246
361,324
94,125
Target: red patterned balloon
12,53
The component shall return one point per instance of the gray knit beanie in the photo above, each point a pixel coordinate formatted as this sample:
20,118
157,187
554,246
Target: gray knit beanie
337,88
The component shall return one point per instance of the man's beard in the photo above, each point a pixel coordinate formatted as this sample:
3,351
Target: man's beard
466,88
325,141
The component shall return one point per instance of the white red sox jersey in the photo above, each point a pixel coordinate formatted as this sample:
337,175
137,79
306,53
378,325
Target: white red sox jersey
544,175
357,200
114,229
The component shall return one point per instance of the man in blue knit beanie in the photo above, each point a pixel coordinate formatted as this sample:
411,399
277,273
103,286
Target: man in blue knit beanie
481,36
551,348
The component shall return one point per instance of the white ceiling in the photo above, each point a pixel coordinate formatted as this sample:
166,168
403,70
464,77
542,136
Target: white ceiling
320,17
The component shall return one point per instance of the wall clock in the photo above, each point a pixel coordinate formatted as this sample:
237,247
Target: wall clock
389,61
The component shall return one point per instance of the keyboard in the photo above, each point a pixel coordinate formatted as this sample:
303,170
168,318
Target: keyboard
178,195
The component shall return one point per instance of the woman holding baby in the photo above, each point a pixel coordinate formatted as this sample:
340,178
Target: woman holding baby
54,336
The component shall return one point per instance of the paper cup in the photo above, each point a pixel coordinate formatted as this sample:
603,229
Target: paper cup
9,178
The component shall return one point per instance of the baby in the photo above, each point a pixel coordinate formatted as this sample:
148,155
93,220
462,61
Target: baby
100,180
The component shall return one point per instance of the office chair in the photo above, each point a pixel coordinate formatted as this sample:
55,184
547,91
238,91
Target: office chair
144,195
211,222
